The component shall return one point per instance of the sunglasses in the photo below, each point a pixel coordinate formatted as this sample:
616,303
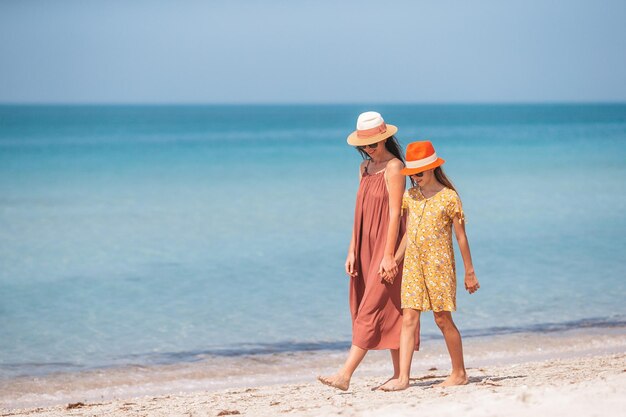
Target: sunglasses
373,146
419,174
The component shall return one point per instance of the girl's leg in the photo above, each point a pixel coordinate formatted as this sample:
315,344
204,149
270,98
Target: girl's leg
455,349
410,321
341,380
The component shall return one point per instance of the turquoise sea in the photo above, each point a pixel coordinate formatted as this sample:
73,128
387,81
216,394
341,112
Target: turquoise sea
159,234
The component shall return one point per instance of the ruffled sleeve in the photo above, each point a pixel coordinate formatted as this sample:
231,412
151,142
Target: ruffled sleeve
454,208
405,203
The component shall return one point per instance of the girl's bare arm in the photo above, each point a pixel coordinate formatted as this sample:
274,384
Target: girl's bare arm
471,282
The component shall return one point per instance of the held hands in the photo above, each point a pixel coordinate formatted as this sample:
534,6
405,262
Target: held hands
471,282
350,268
388,268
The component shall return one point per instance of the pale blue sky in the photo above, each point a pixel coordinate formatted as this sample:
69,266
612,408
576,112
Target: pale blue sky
321,51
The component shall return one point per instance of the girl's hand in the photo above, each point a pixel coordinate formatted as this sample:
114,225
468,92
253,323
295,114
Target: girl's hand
350,261
471,282
388,268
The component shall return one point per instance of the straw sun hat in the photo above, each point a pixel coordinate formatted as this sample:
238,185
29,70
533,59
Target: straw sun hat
420,157
370,128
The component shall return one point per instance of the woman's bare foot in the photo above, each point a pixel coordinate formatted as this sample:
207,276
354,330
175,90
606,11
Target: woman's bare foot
454,379
395,385
377,387
335,381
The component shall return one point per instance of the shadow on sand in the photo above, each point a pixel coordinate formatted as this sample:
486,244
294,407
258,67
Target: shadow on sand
429,381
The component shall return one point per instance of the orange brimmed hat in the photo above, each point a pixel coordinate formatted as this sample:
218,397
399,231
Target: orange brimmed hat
370,128
420,157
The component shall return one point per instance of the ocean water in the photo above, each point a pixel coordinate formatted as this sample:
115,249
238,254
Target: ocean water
139,235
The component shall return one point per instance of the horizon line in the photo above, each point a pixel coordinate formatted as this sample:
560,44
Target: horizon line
312,103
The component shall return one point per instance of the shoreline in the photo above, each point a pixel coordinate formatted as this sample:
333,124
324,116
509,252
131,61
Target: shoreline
209,377
241,350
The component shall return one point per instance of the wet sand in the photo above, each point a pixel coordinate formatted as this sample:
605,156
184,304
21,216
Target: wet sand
575,373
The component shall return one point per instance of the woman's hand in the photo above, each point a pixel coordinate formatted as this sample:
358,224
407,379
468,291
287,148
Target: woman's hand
350,261
388,268
471,282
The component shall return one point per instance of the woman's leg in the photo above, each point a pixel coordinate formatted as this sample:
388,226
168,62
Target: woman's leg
395,359
455,349
341,380
410,321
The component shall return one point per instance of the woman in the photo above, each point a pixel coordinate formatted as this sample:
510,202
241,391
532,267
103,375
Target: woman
371,264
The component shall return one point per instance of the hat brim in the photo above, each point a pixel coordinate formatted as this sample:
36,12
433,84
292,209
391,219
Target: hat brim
411,171
355,140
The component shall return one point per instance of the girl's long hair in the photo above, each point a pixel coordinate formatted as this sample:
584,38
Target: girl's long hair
442,178
392,146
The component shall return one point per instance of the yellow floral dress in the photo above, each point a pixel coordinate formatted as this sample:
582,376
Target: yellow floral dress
429,274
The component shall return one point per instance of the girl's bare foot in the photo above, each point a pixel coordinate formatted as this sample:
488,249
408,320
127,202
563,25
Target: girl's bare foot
395,385
335,381
454,379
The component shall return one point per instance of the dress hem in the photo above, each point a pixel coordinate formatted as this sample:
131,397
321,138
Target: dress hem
431,309
383,348
377,347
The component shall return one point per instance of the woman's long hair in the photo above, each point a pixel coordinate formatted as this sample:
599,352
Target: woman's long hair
392,146
442,178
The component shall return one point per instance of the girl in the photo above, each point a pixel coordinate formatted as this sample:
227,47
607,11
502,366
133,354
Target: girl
429,275
371,265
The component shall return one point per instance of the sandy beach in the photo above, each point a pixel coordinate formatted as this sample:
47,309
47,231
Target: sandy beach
575,373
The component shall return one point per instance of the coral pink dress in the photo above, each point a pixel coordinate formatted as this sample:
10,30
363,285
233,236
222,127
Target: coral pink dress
375,305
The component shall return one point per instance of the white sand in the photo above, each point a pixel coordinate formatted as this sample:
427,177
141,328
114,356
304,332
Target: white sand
586,381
